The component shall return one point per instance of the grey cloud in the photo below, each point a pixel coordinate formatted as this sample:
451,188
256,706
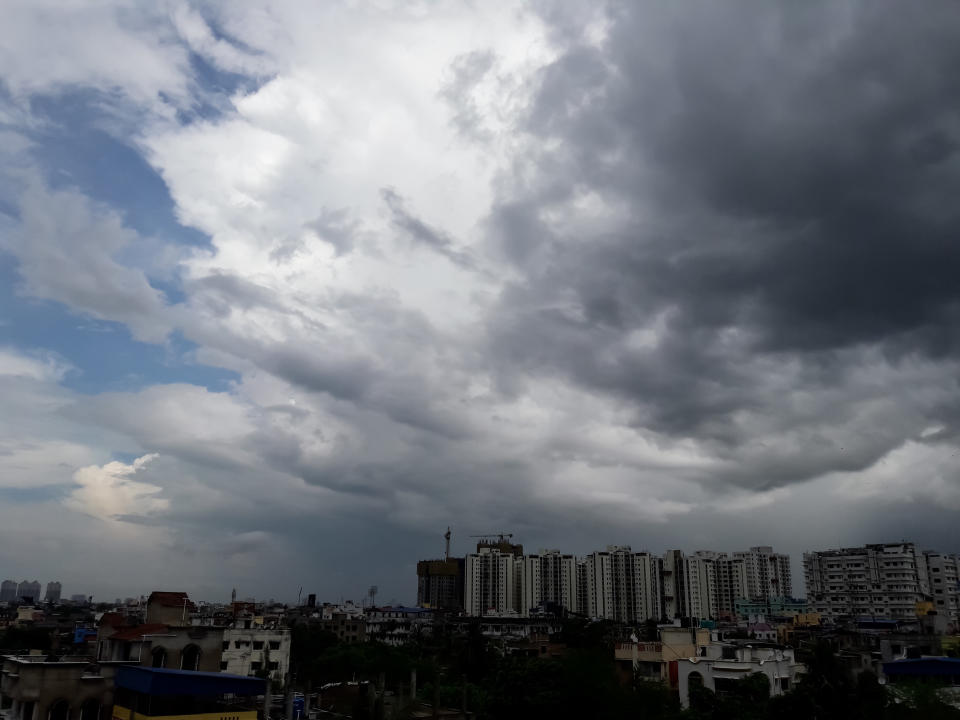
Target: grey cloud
422,233
780,184
66,247
337,228
465,72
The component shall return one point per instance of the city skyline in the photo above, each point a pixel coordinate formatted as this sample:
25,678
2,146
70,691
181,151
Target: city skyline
287,287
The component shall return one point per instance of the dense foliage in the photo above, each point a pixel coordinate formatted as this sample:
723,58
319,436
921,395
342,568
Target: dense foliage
583,682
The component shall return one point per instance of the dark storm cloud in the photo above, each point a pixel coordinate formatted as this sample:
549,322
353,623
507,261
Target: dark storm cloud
781,185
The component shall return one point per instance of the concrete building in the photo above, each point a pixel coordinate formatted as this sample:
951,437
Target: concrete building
256,651
884,580
53,593
28,591
720,665
440,583
8,591
767,572
676,585
772,607
547,580
169,608
69,689
160,646
943,573
490,583
622,585
398,625
653,660
349,627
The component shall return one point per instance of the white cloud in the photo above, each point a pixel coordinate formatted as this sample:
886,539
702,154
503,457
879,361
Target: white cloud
66,246
40,366
111,491
114,47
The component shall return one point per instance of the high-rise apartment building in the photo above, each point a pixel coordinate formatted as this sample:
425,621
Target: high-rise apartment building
440,583
676,585
884,580
8,591
489,583
767,573
943,574
620,584
28,591
53,592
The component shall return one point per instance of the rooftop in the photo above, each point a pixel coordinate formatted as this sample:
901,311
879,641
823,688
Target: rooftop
164,681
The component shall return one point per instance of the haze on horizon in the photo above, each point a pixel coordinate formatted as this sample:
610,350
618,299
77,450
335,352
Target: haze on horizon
288,287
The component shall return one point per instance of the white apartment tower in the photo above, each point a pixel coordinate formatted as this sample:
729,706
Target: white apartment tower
885,580
547,578
490,583
619,584
767,573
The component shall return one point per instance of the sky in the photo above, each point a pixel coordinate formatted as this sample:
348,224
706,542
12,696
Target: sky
288,287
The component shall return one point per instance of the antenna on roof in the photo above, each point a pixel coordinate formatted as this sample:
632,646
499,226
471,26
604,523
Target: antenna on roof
446,536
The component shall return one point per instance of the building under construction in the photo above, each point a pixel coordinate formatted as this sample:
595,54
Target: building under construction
440,582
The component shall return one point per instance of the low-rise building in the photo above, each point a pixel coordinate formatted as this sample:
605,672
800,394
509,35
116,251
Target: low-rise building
398,625
73,688
348,627
720,665
143,693
160,646
256,651
169,608
658,660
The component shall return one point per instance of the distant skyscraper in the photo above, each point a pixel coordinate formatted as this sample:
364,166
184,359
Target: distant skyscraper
8,591
53,592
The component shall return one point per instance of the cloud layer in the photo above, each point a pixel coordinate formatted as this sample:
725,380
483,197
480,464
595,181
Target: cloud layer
675,276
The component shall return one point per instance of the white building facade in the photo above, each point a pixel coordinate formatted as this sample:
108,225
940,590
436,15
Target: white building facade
490,583
620,584
722,665
884,580
256,651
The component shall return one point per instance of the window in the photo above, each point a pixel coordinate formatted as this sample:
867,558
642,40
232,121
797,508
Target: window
236,644
190,658
226,644
256,665
274,644
273,665
223,665
258,644
60,710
